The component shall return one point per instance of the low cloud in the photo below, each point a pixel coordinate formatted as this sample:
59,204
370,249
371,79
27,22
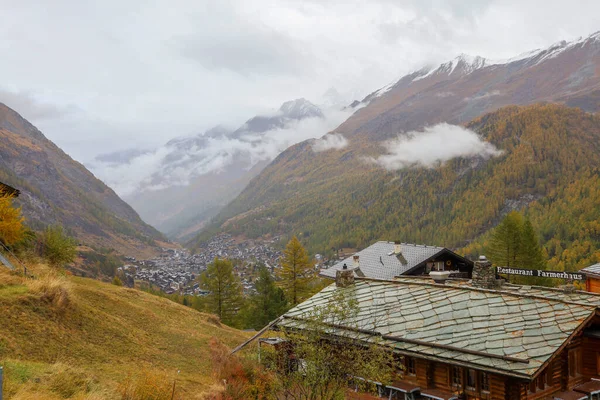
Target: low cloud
30,107
331,141
178,162
434,146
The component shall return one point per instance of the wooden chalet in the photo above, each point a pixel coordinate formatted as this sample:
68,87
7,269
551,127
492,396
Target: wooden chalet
387,260
6,190
472,339
592,275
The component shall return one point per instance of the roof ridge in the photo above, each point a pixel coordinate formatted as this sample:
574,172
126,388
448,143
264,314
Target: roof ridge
476,289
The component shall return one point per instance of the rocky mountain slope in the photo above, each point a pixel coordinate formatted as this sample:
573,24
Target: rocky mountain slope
196,176
55,189
392,182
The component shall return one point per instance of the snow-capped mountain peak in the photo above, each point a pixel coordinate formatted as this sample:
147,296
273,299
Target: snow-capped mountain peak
465,64
299,109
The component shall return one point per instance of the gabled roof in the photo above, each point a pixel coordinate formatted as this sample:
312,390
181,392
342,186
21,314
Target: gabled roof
499,331
378,261
8,190
593,270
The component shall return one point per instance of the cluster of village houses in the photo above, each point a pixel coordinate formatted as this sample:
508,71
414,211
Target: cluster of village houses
175,270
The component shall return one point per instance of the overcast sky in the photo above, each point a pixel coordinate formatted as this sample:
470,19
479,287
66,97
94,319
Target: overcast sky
100,76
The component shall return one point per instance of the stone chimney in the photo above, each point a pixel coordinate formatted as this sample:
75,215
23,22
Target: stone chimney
568,287
344,277
397,247
355,260
484,275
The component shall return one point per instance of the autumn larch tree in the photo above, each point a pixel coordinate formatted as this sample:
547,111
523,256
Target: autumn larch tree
296,272
532,255
515,243
11,222
504,247
225,297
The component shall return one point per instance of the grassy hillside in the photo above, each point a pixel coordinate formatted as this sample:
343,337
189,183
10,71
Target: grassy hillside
69,337
549,168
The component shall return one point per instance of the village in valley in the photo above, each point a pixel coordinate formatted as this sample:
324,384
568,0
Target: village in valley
176,270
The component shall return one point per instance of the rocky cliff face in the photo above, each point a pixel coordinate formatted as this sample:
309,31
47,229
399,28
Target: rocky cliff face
55,189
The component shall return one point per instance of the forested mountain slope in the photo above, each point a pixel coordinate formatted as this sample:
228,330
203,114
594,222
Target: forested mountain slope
338,198
549,167
55,189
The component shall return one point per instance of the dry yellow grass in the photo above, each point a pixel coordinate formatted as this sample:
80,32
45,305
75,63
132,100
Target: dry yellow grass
62,332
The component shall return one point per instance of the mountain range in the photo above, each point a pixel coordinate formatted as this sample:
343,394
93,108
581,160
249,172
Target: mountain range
187,181
402,174
55,189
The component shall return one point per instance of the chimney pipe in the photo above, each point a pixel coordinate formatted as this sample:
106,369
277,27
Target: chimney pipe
397,247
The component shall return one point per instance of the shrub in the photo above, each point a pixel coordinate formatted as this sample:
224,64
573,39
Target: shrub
117,281
148,385
243,378
67,382
53,289
58,248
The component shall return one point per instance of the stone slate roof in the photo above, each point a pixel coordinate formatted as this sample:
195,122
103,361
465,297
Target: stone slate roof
592,270
376,261
508,333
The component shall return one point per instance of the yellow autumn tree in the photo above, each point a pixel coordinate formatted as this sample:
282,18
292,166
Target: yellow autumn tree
295,273
11,221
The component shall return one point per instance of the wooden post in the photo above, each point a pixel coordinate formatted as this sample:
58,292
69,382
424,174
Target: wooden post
172,394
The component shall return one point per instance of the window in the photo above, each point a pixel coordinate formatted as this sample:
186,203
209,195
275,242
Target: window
411,368
484,382
541,382
455,376
574,362
471,379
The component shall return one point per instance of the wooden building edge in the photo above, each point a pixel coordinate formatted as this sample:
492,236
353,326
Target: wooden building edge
543,343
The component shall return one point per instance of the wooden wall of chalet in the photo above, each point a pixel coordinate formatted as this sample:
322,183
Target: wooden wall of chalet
591,359
593,285
577,363
431,375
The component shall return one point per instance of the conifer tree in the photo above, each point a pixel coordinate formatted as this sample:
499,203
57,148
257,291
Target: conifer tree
225,297
11,222
268,303
295,272
504,248
531,256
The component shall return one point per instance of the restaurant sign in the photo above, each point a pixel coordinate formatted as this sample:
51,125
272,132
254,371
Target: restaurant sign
574,276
